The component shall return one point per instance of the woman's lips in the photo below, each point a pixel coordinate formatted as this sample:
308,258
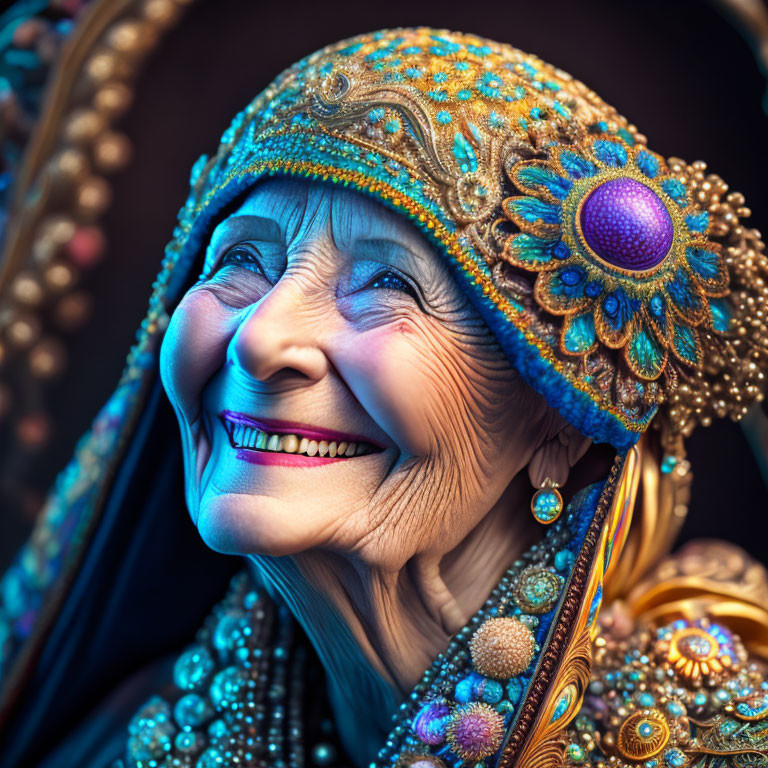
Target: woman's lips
287,443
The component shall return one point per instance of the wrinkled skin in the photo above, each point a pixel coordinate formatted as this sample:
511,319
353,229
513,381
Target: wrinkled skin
319,306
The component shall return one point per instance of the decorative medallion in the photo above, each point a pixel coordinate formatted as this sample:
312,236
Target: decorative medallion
547,503
621,253
502,648
751,709
537,589
475,731
698,652
643,735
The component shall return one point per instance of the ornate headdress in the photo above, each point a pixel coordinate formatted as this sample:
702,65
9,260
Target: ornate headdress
615,281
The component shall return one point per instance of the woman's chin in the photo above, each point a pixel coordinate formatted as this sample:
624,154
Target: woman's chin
247,524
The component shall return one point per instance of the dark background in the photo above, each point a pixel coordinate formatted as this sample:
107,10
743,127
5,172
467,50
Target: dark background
682,70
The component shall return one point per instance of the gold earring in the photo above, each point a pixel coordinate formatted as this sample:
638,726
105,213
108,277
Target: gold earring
547,503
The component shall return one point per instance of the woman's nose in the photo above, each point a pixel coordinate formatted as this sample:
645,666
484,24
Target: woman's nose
278,339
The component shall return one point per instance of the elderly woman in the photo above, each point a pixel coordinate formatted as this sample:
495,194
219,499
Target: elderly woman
419,309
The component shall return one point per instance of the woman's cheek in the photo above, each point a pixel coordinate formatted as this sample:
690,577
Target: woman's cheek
394,373
194,347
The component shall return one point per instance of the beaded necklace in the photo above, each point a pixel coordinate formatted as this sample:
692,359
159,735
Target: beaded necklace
245,694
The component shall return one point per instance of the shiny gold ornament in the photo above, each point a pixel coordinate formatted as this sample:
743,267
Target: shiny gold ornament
58,228
47,358
132,37
93,197
502,648
112,99
161,12
23,331
83,126
59,276
111,151
693,653
642,735
68,166
103,66
27,289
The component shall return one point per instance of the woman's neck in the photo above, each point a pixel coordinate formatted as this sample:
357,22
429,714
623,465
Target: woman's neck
376,632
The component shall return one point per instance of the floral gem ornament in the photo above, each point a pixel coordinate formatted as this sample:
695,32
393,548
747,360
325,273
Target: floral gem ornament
621,253
683,695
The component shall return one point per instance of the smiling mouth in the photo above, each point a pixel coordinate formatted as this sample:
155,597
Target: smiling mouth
266,436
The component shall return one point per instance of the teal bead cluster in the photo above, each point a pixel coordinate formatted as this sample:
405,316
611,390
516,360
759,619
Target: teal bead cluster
239,685
240,694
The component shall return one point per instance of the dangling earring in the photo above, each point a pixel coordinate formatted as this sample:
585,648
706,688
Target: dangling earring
547,503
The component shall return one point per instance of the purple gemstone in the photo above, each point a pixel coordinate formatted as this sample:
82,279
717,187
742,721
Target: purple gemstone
626,224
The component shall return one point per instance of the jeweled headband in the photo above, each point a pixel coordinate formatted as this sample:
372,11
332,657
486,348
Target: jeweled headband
616,281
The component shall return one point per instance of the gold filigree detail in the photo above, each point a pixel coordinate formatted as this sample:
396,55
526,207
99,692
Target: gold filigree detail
642,735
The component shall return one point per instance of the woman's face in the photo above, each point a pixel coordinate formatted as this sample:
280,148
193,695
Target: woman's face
335,388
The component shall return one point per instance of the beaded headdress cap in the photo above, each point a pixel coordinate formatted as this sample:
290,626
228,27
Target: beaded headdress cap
615,281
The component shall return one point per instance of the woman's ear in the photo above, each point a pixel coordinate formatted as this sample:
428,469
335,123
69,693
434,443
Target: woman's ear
562,447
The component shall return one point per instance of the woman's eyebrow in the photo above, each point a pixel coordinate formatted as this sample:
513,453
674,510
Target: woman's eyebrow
381,247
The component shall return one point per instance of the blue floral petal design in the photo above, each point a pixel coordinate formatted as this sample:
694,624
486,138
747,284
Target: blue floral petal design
648,164
577,166
579,336
698,222
721,314
531,252
610,153
685,344
684,297
532,210
704,263
562,291
537,178
676,190
613,317
657,313
645,357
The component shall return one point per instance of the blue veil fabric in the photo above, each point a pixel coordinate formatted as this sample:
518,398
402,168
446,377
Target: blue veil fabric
124,608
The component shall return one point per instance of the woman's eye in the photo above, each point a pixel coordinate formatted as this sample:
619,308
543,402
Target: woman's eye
242,255
391,281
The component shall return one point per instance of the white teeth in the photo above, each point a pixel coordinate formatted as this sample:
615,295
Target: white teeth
243,436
